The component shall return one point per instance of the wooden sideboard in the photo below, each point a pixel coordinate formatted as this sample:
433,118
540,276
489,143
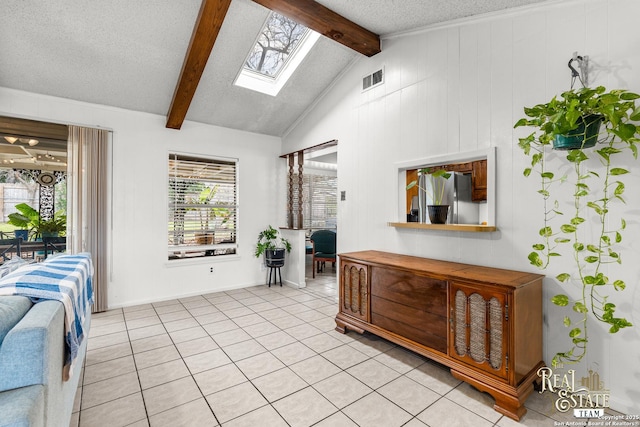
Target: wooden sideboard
485,324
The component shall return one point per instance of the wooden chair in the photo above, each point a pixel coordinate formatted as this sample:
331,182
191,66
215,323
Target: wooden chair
324,249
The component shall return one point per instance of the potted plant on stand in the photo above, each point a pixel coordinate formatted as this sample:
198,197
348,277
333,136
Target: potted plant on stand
272,246
567,123
433,185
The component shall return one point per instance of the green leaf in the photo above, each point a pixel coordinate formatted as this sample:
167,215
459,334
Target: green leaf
619,285
538,246
560,300
635,116
527,172
412,184
547,175
578,247
563,277
624,224
591,259
536,158
626,131
593,248
535,259
579,307
561,240
568,228
566,321
618,237
576,156
589,280
618,171
554,254
546,232
595,207
619,189
521,122
577,220
629,96
575,332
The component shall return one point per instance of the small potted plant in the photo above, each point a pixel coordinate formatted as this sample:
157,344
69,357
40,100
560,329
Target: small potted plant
53,227
437,178
26,220
272,246
572,122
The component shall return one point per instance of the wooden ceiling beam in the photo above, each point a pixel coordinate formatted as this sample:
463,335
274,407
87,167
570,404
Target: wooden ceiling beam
328,23
205,33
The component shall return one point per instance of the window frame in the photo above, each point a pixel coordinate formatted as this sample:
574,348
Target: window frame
187,252
271,85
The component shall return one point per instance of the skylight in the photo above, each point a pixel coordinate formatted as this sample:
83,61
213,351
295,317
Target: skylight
279,49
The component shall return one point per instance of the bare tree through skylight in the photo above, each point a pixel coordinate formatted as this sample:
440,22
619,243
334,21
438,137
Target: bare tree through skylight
278,40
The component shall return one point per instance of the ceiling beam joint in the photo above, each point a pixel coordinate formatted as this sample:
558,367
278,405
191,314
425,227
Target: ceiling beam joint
322,20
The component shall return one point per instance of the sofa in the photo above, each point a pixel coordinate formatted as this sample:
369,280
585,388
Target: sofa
33,350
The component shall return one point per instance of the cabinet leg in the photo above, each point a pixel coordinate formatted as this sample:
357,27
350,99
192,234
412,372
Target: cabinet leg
343,327
510,404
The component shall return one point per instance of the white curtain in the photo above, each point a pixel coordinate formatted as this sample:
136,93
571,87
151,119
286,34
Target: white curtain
87,202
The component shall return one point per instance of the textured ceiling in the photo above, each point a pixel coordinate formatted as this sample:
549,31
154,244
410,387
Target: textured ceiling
129,54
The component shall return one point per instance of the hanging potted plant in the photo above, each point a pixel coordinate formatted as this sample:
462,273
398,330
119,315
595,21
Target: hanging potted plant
272,246
597,189
433,182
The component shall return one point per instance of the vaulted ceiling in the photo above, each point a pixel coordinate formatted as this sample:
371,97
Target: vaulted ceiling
129,54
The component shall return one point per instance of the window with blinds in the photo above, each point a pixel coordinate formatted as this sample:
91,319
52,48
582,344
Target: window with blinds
319,202
203,206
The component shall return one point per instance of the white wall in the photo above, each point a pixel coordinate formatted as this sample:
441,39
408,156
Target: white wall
140,271
459,88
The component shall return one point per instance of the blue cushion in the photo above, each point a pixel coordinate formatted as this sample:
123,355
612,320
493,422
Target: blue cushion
12,309
22,407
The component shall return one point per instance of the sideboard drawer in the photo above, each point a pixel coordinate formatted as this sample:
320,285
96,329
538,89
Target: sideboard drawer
410,305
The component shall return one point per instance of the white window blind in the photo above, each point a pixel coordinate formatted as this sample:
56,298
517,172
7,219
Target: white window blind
203,206
319,201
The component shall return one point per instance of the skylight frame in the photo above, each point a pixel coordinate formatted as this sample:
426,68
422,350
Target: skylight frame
271,85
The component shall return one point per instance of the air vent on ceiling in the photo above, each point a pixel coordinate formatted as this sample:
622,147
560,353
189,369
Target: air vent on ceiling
373,80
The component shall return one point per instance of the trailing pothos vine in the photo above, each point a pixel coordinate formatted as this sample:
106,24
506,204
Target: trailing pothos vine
596,190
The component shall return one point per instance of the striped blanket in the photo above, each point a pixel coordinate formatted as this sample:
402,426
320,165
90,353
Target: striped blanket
64,278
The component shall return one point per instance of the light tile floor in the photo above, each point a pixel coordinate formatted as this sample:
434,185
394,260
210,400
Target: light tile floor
265,356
